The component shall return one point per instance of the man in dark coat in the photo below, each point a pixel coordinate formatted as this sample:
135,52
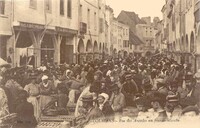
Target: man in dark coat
25,112
93,112
129,90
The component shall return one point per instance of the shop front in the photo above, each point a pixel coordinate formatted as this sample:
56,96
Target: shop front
66,39
47,49
89,51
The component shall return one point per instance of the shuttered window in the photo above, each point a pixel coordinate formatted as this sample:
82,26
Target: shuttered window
2,6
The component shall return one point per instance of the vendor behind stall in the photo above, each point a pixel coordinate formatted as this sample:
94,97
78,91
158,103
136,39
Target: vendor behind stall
46,89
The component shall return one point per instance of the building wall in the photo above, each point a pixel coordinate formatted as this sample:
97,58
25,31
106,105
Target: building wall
102,25
120,37
52,17
5,25
35,14
5,19
147,34
109,20
180,28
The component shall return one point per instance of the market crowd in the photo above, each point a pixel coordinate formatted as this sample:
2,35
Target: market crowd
136,87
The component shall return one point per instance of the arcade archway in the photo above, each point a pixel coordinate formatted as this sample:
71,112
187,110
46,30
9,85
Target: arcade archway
81,51
89,47
95,49
187,43
192,48
100,48
89,50
23,44
66,51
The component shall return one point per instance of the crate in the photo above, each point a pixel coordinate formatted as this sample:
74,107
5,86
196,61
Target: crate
59,118
49,124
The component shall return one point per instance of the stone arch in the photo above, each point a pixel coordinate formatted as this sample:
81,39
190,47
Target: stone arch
24,40
81,50
115,51
186,43
103,47
174,46
192,45
81,46
100,47
95,49
182,43
125,54
89,47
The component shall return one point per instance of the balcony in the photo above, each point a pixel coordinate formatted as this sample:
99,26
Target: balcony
83,28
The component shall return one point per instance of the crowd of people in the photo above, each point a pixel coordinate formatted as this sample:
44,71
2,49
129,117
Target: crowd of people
156,87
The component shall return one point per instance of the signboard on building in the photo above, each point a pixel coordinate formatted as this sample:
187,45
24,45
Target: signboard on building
31,25
66,30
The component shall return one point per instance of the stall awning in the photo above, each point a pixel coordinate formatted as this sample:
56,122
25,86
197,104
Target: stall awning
3,63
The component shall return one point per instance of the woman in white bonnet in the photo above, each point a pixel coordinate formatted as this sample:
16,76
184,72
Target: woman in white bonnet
46,89
104,105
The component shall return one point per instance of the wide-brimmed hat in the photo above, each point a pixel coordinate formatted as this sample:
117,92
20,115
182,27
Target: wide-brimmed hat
87,98
104,95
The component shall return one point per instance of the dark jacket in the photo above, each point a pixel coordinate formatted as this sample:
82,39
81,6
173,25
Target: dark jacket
107,110
25,114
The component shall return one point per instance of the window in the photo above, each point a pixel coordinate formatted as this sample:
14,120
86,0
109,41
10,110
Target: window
48,6
95,20
69,8
88,18
2,6
124,44
61,7
33,4
101,25
80,13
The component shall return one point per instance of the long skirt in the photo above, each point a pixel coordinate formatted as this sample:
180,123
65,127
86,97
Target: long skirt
34,101
44,100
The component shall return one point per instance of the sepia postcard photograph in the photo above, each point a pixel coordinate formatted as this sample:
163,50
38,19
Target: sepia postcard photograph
99,63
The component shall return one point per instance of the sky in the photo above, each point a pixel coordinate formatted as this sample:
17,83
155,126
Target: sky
141,7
